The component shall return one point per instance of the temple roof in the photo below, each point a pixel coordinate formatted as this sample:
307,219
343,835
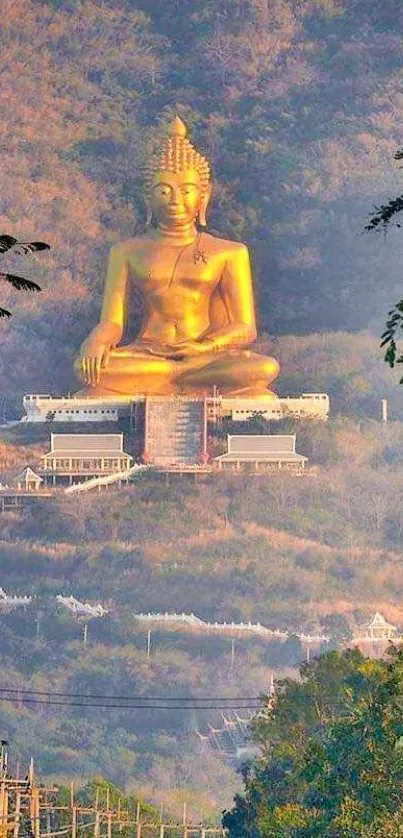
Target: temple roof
379,622
83,453
259,443
65,444
262,456
262,447
27,474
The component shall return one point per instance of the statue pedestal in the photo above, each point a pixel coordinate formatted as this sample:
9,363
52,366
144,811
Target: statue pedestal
46,408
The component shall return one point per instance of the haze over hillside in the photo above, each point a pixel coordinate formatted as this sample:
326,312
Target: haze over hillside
318,555
298,104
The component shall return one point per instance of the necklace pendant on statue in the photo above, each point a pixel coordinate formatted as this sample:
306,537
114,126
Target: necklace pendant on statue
200,257
198,253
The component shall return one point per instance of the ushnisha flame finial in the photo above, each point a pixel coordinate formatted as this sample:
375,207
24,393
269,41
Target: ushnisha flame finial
178,127
177,154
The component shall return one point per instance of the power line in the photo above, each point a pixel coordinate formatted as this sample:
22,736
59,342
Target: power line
134,697
124,707
51,703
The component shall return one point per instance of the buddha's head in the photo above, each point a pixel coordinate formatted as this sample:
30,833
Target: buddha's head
177,180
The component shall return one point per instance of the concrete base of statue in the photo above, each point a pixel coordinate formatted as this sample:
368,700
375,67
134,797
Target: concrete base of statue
79,408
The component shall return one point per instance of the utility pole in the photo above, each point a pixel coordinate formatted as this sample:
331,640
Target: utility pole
108,814
74,822
17,818
138,821
3,808
97,819
148,644
3,757
3,790
97,825
384,407
35,812
73,813
232,654
184,814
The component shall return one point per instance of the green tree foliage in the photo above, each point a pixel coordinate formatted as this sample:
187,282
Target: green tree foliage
393,326
384,216
331,762
382,219
8,243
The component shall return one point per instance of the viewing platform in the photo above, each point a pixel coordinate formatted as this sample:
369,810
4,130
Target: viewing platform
78,409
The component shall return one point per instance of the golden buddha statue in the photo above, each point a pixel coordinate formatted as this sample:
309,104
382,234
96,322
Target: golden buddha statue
199,316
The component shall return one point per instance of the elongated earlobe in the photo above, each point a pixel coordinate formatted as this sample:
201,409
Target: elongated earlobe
203,207
149,216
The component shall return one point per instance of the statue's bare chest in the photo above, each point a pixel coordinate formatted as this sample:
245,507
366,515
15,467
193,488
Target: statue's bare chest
157,270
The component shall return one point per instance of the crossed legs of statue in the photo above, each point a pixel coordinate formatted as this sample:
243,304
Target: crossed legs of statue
235,372
131,370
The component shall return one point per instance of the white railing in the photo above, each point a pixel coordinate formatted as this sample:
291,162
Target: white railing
81,608
254,628
14,601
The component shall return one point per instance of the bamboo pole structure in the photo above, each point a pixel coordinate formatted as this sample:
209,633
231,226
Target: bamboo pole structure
17,814
25,798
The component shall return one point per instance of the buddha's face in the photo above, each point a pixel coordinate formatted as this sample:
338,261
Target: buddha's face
176,198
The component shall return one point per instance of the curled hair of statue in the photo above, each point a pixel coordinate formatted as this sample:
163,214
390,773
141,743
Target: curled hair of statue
177,154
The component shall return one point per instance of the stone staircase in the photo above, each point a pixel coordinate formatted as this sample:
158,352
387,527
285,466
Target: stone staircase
175,431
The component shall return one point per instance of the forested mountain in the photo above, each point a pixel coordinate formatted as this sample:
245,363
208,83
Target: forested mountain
298,104
319,554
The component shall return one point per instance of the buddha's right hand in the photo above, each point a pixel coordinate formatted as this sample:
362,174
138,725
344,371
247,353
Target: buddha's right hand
93,359
95,351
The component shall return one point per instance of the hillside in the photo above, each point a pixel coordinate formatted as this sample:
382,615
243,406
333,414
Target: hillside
231,546
316,554
298,104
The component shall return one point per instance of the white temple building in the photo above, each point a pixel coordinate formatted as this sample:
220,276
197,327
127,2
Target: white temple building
270,452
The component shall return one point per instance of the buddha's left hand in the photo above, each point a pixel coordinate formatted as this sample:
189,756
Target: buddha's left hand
189,348
183,349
